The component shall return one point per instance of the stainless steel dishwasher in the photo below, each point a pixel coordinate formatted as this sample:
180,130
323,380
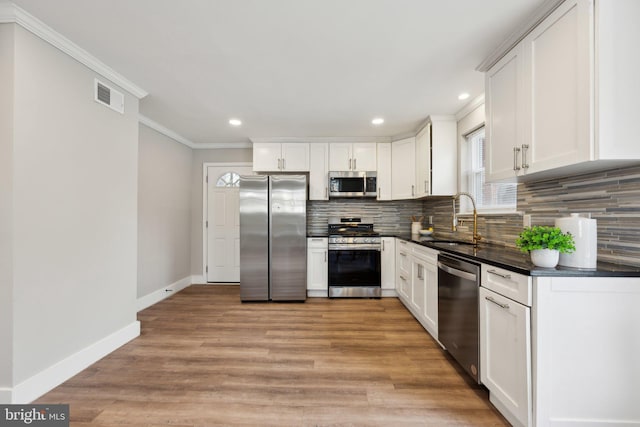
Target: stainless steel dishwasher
458,287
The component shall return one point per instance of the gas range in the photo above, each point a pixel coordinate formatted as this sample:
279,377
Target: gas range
354,258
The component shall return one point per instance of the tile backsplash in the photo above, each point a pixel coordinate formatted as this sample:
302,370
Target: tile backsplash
611,197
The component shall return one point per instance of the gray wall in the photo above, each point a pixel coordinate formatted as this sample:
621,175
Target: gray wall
235,155
75,171
6,204
164,211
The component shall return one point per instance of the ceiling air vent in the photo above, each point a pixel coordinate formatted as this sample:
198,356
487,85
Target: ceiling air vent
108,96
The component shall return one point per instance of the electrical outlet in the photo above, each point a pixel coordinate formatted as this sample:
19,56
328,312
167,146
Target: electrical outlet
526,220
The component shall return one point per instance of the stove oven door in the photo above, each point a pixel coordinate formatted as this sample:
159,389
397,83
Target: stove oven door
354,271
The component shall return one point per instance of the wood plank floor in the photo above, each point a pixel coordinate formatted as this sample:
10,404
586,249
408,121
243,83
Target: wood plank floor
205,359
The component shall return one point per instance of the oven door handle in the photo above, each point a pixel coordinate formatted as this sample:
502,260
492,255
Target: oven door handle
363,247
456,272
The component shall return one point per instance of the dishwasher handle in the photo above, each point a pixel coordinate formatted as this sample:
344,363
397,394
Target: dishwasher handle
456,272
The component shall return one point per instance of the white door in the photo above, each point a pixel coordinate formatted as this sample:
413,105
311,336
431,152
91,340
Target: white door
223,223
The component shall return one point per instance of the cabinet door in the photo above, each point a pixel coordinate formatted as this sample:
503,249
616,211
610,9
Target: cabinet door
318,171
418,286
558,66
317,268
267,157
505,354
295,157
423,162
444,156
388,263
503,109
340,158
364,156
430,311
384,170
403,176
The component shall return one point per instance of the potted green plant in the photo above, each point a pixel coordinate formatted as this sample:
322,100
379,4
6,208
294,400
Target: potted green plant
545,244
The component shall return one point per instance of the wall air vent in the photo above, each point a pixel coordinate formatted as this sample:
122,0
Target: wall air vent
108,96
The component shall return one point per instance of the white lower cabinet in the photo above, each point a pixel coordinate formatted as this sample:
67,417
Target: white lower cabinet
317,267
417,283
403,271
388,267
505,355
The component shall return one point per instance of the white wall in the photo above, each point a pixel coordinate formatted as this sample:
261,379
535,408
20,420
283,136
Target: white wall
6,205
470,122
164,211
75,170
199,158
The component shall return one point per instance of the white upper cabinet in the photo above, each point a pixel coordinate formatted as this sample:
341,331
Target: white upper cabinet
504,114
346,156
280,157
319,171
403,169
552,104
423,162
444,156
383,179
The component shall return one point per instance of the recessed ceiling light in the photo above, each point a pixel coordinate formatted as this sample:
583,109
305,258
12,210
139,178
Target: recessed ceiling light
463,96
377,121
235,122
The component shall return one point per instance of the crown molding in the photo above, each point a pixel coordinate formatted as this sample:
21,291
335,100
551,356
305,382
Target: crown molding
10,13
520,33
475,103
317,139
182,140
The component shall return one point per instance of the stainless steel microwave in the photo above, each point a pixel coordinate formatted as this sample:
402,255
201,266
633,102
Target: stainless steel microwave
352,184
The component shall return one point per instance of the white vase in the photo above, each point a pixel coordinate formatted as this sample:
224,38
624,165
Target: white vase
547,258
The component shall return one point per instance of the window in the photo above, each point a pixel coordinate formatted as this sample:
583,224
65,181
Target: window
228,179
489,196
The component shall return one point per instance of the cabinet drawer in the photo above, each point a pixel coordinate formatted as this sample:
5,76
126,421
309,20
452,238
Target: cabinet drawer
317,242
426,254
507,283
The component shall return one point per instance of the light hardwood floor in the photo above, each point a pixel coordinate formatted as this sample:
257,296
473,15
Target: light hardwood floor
206,359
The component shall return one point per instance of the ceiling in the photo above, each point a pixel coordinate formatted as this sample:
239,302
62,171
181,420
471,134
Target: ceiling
290,68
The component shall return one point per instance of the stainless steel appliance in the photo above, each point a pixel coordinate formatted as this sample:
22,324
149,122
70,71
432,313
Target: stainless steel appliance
273,244
352,184
354,258
458,288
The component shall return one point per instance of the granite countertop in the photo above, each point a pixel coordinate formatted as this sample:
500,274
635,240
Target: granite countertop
514,260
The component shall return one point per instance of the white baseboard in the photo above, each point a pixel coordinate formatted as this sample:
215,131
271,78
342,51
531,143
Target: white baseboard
39,384
318,293
198,280
157,296
389,293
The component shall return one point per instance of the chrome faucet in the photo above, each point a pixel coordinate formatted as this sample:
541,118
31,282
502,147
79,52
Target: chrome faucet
454,224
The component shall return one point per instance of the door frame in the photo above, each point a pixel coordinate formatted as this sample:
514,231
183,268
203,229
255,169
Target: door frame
205,201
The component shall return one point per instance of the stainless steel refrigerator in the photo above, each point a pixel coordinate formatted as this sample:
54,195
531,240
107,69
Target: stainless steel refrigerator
273,238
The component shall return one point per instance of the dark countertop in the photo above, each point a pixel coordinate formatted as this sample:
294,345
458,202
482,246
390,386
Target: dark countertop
514,260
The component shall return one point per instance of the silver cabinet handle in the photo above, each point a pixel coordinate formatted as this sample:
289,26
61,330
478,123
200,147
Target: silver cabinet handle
316,239
504,276
350,168
425,187
378,192
283,165
490,299
403,278
413,190
325,256
383,245
279,164
525,147
420,269
326,192
403,254
516,150
354,164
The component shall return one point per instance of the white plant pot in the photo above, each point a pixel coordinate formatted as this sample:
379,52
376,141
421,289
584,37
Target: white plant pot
547,258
